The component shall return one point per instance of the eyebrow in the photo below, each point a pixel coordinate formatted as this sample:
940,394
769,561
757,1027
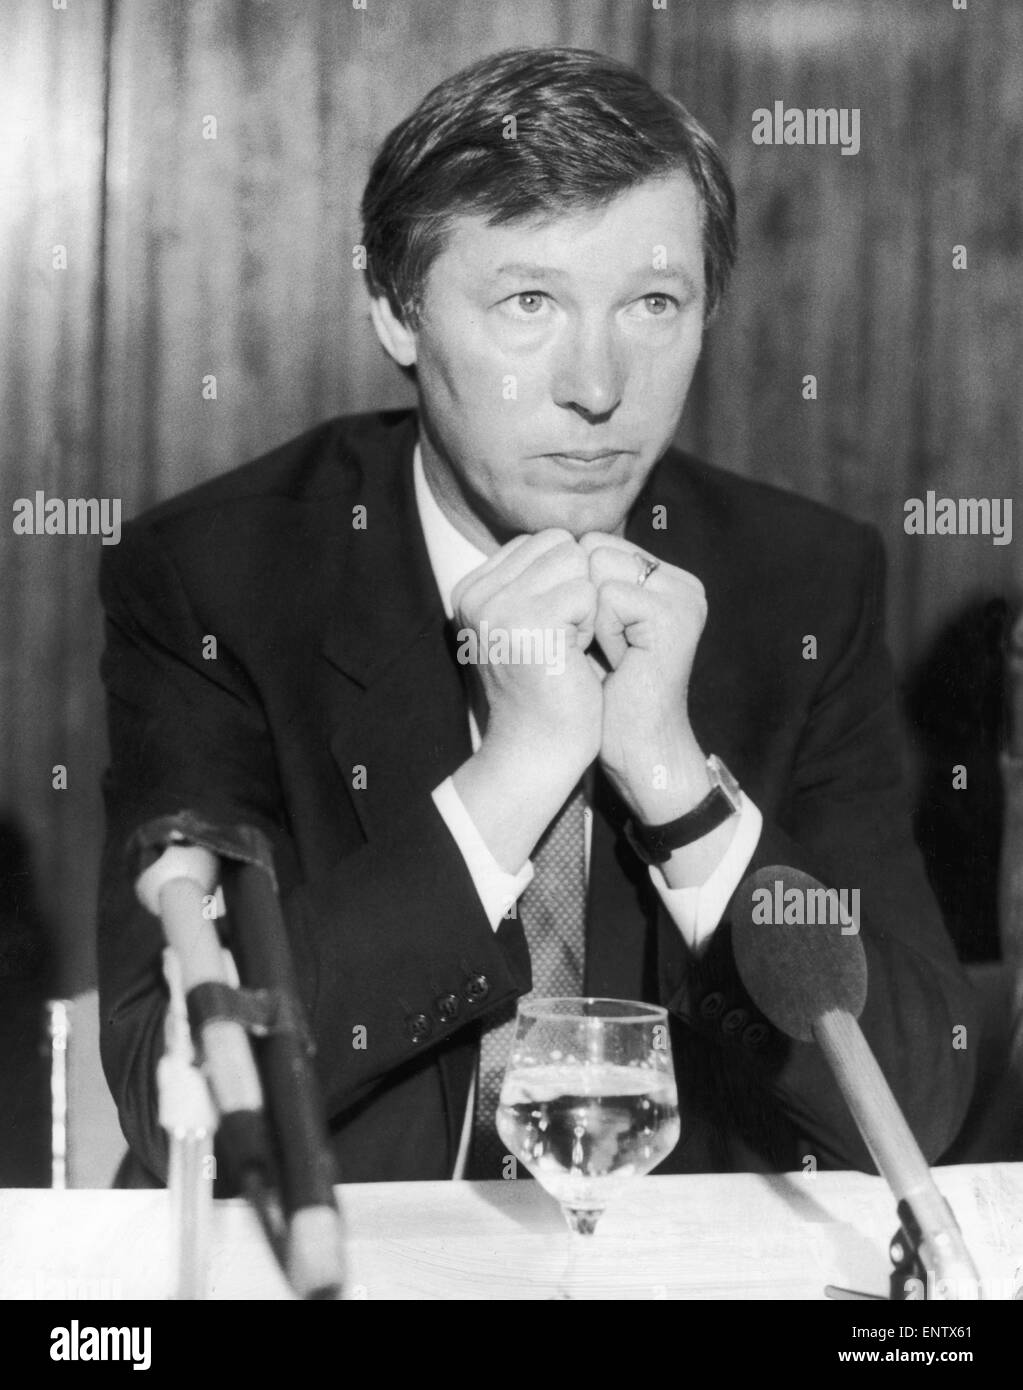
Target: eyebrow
528,268
534,270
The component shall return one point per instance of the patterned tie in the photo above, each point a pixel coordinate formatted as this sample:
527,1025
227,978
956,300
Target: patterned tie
552,911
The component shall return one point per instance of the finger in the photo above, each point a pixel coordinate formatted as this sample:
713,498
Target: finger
573,605
510,556
613,557
529,593
507,565
646,619
599,540
627,616
626,565
611,565
609,631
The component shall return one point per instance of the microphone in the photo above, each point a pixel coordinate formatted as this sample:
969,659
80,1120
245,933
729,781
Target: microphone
316,1256
809,977
195,853
176,888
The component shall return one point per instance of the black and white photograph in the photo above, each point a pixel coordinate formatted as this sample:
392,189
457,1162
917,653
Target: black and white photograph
511,663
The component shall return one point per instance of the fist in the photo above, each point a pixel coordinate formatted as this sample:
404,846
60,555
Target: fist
524,621
648,633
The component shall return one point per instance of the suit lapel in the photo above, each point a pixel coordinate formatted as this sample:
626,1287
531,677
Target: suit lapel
396,696
397,703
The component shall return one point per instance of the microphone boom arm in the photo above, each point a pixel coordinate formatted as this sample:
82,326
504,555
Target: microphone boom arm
928,1223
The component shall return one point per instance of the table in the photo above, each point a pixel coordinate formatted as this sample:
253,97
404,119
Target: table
706,1236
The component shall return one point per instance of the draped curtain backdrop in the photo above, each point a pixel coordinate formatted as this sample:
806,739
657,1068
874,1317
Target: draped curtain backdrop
188,256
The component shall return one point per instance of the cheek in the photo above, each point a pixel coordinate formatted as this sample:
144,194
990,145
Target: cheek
662,367
481,380
658,385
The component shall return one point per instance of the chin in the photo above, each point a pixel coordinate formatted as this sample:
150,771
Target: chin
587,514
576,513
577,521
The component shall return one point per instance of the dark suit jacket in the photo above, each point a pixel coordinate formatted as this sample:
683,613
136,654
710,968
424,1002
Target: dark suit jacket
333,654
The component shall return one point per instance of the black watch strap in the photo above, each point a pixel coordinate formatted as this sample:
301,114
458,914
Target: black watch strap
655,844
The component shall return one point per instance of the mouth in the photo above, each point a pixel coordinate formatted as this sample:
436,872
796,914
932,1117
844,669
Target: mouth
587,455
590,470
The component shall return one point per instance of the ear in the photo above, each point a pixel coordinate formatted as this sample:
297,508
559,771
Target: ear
398,340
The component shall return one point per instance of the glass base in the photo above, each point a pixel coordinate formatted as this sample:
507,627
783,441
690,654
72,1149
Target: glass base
582,1221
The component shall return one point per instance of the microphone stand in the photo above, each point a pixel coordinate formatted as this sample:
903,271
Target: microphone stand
811,982
58,1029
188,1115
928,1252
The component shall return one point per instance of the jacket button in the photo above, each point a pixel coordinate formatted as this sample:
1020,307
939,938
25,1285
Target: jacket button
447,1007
712,1004
418,1027
477,987
755,1035
734,1021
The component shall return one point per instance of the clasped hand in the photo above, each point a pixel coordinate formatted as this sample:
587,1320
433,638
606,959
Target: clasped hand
618,688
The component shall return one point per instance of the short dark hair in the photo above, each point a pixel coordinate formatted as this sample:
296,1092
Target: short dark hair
587,128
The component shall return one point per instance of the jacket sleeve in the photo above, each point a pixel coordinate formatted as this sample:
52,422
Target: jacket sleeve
845,821
188,733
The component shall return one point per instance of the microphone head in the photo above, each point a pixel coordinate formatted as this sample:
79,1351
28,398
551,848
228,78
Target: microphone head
797,948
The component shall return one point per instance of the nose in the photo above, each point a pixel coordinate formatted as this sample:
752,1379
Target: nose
590,375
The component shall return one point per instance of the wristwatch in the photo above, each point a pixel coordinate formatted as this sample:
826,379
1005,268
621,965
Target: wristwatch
655,844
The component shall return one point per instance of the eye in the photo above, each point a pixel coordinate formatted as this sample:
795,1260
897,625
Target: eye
525,304
659,305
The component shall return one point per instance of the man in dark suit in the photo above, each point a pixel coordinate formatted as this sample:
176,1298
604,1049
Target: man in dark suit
708,693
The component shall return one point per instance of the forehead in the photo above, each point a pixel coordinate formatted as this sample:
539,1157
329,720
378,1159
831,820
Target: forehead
658,222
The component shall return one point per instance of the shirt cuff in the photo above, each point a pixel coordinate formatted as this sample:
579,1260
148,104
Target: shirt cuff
696,911
498,890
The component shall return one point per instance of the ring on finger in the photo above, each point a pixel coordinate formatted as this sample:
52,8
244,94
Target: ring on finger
647,568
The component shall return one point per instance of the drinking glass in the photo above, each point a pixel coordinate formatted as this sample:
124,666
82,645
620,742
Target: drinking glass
589,1098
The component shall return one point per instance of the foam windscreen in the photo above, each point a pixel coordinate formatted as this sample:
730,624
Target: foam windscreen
797,955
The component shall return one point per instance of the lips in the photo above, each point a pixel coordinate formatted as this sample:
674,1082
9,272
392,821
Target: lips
586,455
589,471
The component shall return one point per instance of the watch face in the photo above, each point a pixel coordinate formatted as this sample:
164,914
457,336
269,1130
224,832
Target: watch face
724,779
